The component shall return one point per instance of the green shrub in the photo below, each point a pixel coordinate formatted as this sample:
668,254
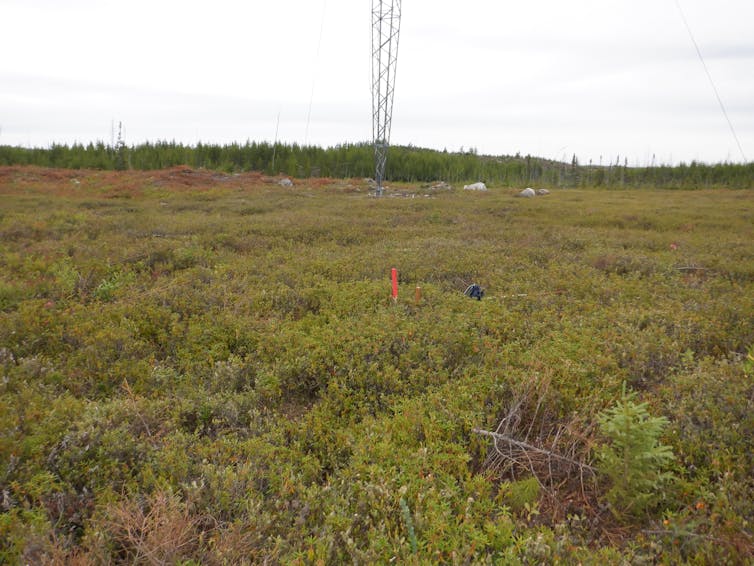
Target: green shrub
522,495
633,459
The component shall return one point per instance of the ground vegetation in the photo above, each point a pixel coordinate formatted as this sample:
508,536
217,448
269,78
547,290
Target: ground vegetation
201,367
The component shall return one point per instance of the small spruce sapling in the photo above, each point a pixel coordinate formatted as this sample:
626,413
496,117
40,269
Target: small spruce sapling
633,460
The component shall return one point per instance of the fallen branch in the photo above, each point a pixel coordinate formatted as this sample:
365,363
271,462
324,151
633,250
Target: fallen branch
531,448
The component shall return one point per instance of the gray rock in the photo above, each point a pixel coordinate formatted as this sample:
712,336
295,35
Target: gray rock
441,186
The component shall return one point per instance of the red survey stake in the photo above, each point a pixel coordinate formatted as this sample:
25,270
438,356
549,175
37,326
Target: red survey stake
394,277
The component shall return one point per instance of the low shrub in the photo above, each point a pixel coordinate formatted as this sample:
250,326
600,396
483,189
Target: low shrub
211,370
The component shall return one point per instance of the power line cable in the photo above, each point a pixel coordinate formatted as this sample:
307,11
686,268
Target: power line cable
711,81
314,76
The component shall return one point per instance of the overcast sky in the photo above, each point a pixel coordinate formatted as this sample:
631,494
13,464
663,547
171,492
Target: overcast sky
544,77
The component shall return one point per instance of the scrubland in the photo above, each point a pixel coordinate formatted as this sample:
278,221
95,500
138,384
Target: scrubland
203,368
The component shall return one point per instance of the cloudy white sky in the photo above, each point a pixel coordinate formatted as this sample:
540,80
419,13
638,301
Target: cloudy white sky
595,78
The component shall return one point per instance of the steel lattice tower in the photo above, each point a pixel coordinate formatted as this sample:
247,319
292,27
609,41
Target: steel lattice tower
386,23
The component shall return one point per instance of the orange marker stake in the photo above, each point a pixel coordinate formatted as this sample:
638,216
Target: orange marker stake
394,277
418,295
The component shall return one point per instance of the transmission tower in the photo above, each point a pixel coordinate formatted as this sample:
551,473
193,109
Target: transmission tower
386,23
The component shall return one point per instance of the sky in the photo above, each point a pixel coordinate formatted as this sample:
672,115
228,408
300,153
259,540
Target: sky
603,80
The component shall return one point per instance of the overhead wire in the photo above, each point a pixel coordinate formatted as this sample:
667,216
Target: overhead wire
711,81
314,73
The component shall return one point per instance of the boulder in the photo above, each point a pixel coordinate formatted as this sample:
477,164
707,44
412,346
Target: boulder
285,183
441,186
528,192
475,187
543,192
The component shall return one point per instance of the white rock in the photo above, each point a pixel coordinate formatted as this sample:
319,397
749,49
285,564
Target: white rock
285,183
543,192
528,192
475,187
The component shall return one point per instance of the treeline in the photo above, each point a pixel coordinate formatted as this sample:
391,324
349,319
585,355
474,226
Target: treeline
410,164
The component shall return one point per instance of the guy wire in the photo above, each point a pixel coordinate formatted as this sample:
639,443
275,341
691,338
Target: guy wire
711,81
314,75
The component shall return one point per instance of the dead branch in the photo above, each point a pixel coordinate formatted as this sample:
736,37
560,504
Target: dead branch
531,448
531,440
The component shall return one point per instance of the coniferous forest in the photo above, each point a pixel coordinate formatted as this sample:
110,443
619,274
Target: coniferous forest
406,163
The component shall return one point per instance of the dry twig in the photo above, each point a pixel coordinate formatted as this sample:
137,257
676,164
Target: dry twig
529,440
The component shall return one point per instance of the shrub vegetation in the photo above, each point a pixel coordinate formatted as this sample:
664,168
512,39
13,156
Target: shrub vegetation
208,368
